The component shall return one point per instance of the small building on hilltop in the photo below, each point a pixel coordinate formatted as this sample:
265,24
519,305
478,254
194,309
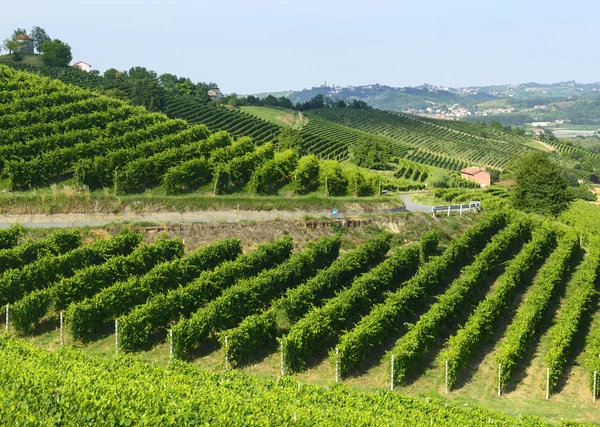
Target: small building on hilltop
214,94
83,66
26,43
481,176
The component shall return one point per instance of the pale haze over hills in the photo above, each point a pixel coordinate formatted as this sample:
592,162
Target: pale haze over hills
268,45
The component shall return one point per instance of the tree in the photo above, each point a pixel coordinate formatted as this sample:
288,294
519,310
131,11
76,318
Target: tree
372,153
13,46
19,32
56,53
540,185
290,138
39,36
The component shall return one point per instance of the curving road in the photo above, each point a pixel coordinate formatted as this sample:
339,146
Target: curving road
412,206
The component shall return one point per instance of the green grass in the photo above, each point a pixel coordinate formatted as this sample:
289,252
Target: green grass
38,202
279,116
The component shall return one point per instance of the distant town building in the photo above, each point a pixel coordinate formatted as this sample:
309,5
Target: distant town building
538,131
580,181
481,176
214,94
26,42
83,66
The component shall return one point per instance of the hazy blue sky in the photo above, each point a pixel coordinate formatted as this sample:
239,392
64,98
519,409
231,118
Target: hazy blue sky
267,45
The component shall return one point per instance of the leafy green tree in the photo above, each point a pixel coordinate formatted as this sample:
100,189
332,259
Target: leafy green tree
540,185
12,46
39,36
306,174
372,153
56,53
290,138
285,102
113,73
332,178
19,32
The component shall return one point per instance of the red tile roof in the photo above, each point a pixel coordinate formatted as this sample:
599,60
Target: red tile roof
23,37
473,170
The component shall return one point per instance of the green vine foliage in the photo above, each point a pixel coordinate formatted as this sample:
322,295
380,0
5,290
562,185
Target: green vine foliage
469,338
529,313
259,331
251,295
43,273
410,348
88,317
389,316
86,282
161,309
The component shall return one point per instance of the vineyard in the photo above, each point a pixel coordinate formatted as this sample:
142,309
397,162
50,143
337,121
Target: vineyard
53,132
372,305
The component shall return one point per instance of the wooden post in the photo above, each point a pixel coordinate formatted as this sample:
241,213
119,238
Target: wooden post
6,317
170,345
547,383
337,364
380,186
62,335
116,335
499,380
226,353
326,188
282,366
392,374
594,397
446,376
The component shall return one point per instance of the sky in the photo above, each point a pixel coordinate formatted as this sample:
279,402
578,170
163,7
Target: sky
256,46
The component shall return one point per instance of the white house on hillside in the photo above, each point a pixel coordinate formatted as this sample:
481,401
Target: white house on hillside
84,66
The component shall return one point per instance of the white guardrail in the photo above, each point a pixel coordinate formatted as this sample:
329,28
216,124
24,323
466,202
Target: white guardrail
470,207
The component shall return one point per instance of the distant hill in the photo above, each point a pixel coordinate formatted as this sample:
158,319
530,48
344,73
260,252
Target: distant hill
515,105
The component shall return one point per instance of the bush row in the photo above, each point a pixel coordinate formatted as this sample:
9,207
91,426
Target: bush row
14,284
389,316
259,330
319,328
409,349
469,338
91,315
249,296
136,327
58,243
87,282
568,324
530,312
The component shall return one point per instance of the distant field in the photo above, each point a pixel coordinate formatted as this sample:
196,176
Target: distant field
281,117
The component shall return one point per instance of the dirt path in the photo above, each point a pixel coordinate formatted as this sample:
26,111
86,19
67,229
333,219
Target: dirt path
70,220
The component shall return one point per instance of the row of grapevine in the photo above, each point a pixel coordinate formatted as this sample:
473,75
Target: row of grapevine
571,317
35,305
387,317
14,284
10,237
58,243
127,391
88,317
153,316
469,338
530,312
259,331
235,122
249,296
429,135
409,349
320,327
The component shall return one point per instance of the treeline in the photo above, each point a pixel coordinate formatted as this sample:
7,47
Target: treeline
315,103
